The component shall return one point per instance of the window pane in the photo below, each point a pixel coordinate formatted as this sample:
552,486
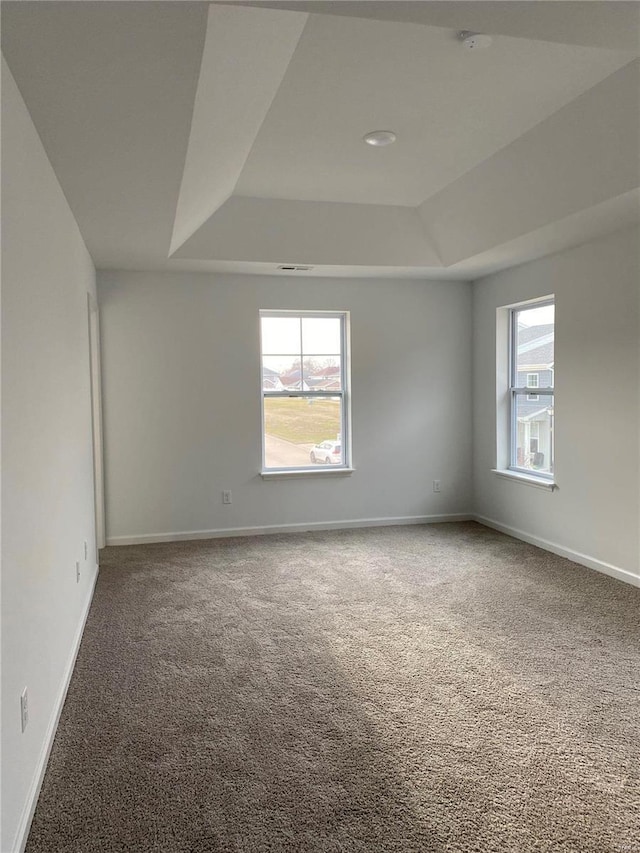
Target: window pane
534,433
321,336
299,430
322,373
280,335
281,373
534,333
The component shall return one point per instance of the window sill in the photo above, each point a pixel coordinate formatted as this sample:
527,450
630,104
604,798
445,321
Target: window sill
526,479
306,472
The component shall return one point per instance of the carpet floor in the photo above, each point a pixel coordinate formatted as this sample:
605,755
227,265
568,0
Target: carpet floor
387,690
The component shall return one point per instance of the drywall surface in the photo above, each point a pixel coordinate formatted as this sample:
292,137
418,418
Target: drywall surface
595,510
182,409
558,178
307,232
47,473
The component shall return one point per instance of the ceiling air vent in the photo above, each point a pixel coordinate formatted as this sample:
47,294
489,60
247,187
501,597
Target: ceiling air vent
293,268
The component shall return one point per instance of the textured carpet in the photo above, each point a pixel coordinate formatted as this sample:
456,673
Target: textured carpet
433,688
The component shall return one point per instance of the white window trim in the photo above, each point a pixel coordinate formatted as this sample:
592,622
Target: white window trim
517,390
505,428
294,473
345,408
528,479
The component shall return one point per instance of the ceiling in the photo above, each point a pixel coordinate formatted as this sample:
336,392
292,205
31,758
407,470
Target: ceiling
228,136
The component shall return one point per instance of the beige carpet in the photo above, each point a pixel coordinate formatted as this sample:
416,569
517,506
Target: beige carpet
433,688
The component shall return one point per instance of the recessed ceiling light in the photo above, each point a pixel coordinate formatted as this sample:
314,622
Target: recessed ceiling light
380,138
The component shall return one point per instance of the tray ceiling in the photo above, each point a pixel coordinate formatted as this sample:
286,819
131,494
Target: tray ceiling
207,135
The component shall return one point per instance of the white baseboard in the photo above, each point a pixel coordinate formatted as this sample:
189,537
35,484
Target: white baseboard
301,527
561,551
24,825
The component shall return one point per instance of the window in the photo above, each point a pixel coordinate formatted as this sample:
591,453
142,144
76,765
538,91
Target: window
533,381
531,366
534,437
304,390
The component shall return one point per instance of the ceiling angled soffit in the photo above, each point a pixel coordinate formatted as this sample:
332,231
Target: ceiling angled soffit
319,233
110,89
603,23
582,157
245,56
617,213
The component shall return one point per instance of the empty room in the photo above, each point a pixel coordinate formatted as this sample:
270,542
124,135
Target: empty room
320,427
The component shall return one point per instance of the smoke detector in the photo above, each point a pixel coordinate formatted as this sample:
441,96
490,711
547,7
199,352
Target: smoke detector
474,41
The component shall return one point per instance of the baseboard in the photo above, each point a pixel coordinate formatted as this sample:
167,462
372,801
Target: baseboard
301,527
24,825
561,551
545,544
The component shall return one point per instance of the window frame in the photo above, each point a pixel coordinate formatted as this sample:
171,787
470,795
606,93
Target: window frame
532,398
342,393
515,390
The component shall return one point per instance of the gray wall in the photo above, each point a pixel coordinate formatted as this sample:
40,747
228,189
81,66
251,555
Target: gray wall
47,468
182,402
596,509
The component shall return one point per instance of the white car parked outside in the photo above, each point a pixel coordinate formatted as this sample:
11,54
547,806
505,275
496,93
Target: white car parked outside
327,453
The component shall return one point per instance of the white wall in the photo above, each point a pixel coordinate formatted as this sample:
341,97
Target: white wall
595,511
47,478
181,392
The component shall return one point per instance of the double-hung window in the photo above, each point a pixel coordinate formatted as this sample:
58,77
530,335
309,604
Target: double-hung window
305,424
532,366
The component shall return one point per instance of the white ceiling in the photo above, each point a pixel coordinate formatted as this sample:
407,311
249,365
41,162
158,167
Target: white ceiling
110,88
450,107
222,136
585,22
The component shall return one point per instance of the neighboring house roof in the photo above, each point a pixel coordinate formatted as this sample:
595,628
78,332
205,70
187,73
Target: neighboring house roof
535,346
325,384
272,384
291,379
325,372
271,379
325,378
532,411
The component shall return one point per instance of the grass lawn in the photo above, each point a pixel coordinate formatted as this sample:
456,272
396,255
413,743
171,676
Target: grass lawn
301,421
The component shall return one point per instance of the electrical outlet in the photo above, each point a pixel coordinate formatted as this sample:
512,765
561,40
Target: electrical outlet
86,549
436,485
226,497
24,709
77,571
